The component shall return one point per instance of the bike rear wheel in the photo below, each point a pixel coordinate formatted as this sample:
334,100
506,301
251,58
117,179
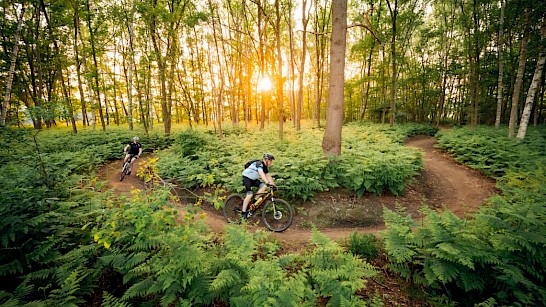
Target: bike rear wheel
232,208
277,216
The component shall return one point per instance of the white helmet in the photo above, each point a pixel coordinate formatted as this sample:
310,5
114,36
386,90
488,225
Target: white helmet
136,139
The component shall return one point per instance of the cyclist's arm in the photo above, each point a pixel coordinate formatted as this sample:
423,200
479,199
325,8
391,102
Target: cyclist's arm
126,149
265,177
270,179
139,151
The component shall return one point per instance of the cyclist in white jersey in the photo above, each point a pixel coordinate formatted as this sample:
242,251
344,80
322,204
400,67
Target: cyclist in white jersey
251,178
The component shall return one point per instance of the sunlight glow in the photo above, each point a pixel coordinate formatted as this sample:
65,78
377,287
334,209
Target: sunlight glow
264,84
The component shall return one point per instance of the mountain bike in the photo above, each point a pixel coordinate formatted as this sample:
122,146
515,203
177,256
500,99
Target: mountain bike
277,214
126,167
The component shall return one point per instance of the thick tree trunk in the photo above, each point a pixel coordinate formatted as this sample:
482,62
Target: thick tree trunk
331,143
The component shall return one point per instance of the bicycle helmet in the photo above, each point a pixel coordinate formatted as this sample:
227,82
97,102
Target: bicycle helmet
136,139
268,156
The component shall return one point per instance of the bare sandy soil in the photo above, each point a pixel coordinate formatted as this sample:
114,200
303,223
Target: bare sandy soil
443,183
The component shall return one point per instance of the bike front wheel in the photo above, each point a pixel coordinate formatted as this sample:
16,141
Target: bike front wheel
123,171
277,215
232,208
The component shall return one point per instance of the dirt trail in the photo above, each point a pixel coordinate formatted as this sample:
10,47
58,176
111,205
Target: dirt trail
443,184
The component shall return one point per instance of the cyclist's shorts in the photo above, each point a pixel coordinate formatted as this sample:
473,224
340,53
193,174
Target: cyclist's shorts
249,183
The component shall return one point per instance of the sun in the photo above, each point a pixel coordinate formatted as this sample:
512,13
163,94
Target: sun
264,84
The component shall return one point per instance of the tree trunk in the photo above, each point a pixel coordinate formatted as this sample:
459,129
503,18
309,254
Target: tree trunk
95,65
476,63
331,143
299,101
537,76
85,118
519,80
130,66
280,81
161,65
394,15
501,66
368,72
60,71
220,72
13,60
446,49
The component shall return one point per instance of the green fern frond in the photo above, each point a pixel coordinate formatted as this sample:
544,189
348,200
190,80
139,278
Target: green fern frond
238,242
41,274
11,302
117,261
149,244
108,300
66,295
224,279
140,289
11,268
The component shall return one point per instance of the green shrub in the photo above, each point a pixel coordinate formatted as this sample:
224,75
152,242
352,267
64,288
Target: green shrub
365,245
497,253
491,151
372,161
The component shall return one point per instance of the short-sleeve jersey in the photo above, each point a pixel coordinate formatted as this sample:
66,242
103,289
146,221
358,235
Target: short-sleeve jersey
252,171
134,148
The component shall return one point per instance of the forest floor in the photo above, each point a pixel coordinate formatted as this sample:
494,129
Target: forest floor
443,184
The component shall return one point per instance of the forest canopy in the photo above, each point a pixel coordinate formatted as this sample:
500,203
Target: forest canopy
162,62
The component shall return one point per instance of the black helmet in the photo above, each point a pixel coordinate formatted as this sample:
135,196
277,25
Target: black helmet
268,156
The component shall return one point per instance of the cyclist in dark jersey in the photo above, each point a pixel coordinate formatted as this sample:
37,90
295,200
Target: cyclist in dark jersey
134,150
251,178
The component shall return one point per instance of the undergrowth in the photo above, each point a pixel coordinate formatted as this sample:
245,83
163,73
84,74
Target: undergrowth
494,257
374,159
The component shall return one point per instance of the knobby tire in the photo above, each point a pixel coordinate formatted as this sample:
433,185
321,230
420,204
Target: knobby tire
277,217
232,208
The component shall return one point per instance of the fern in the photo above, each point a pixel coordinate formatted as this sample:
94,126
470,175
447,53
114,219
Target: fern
108,300
334,273
66,295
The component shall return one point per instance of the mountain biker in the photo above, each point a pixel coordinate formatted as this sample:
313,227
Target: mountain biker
133,150
251,178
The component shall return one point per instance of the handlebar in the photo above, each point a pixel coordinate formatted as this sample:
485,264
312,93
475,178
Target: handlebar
272,187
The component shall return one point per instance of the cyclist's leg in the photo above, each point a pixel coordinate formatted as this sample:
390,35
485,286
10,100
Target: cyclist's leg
126,158
262,186
247,182
133,158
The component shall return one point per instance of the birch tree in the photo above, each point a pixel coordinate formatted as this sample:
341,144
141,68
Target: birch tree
11,72
533,88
